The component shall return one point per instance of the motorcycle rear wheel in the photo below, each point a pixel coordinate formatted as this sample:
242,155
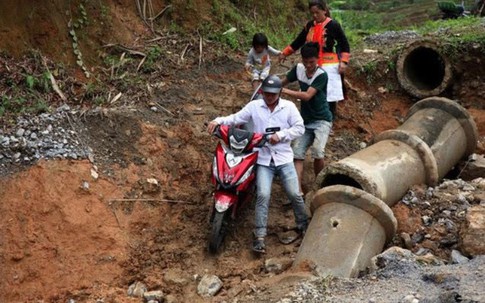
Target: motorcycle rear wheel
218,231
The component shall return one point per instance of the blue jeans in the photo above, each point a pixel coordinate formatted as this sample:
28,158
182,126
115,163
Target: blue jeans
264,180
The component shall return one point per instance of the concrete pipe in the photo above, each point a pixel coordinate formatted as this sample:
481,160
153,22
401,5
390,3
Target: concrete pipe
348,228
351,216
422,70
437,133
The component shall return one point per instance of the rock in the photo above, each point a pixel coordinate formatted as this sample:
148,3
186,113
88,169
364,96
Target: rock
473,169
94,174
150,186
457,257
277,265
85,186
406,238
393,254
5,141
171,299
472,233
430,259
409,299
175,277
479,183
154,295
137,289
382,90
209,286
20,132
426,220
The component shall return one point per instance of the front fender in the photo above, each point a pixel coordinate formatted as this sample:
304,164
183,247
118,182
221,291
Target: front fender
224,200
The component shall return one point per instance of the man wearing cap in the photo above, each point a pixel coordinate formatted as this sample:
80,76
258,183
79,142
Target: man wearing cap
276,157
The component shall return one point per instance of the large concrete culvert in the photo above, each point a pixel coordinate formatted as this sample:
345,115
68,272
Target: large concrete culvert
352,199
422,69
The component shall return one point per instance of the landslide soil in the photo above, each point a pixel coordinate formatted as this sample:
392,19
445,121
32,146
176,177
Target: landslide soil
62,239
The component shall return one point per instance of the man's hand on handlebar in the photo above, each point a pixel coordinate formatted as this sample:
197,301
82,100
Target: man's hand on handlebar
273,139
212,126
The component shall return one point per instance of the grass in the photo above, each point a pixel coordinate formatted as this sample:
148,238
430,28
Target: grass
250,17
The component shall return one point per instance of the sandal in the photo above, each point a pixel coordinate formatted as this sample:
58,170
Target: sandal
258,245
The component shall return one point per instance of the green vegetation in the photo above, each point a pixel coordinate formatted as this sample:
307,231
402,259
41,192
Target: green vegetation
153,56
82,19
41,83
77,24
250,17
358,18
456,35
369,69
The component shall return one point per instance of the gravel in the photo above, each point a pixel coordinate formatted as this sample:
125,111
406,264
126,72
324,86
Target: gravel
44,136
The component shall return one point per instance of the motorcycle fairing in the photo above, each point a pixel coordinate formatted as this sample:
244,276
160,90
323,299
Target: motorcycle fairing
231,168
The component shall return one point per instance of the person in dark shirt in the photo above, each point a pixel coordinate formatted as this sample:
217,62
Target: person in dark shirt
315,110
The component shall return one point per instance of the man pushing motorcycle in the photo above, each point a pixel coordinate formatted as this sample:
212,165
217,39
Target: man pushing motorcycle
275,158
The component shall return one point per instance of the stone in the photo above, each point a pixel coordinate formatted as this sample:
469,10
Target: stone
277,265
137,289
150,186
409,299
457,257
406,238
175,277
209,286
154,295
20,132
171,299
472,169
472,234
393,254
94,174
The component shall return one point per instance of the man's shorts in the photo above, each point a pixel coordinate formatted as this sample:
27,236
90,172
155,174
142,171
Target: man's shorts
315,136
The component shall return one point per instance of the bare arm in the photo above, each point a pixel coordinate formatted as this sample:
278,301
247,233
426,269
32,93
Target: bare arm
304,96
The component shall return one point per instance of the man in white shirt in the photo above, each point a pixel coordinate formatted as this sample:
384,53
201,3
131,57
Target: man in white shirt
275,158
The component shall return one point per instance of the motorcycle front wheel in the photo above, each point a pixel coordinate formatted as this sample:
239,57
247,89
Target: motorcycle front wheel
218,231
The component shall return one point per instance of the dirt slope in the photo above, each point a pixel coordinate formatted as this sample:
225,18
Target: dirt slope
67,235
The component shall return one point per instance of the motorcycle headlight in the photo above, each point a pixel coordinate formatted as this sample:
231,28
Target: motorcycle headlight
246,175
238,147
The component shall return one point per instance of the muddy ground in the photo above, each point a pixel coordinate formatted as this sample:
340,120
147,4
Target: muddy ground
70,236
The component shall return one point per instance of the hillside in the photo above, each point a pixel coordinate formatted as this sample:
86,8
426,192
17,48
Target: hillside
105,164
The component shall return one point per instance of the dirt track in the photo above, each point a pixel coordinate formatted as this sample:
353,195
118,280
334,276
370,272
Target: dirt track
62,240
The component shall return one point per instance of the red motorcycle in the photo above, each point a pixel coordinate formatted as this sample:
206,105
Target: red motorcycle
233,175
